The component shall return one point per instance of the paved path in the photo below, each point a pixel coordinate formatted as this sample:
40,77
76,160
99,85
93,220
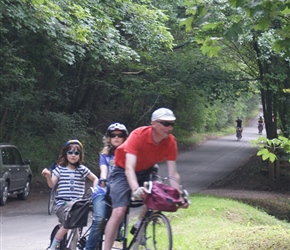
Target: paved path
214,159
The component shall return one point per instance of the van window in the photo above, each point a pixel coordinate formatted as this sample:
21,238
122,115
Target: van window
7,156
17,157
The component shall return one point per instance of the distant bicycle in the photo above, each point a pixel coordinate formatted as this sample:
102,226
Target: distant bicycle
239,133
260,128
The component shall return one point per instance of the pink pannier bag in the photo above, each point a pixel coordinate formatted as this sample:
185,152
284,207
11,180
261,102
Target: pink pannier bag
163,198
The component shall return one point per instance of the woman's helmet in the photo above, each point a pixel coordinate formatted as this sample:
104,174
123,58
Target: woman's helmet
117,126
73,142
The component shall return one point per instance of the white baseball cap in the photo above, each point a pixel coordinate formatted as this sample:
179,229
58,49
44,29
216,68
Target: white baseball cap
163,114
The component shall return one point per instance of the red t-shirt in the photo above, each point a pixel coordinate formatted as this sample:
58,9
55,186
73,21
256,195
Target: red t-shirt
140,143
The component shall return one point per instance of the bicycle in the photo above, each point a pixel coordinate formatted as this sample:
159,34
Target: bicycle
52,194
260,128
51,200
154,231
75,239
239,133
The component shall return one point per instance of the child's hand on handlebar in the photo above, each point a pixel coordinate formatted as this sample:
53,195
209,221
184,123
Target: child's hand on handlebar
102,182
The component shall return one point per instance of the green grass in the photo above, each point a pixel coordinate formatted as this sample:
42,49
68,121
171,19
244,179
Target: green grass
218,223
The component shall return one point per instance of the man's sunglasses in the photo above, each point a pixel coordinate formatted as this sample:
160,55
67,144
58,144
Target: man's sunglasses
73,153
112,135
166,124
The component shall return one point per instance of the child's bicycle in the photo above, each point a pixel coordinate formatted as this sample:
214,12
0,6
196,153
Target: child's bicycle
52,194
154,231
75,239
51,200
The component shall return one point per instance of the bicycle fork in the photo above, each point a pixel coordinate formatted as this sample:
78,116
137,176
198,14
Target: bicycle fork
73,239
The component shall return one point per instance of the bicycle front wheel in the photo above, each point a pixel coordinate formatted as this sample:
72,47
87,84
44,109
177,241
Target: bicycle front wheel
157,234
51,200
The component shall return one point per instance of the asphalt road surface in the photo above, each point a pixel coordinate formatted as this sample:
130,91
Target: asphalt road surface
26,225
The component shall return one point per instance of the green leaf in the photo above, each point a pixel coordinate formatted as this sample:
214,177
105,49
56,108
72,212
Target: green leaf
187,22
209,26
272,157
262,151
263,23
265,157
233,32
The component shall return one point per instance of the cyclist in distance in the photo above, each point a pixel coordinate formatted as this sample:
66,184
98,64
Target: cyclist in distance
70,176
115,135
134,161
260,124
239,125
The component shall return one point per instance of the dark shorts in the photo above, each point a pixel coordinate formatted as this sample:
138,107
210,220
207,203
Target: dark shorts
61,211
120,190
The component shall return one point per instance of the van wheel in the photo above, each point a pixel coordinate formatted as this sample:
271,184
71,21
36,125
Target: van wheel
4,194
25,191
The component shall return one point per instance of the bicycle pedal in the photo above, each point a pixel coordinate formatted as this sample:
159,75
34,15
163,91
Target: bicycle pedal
133,230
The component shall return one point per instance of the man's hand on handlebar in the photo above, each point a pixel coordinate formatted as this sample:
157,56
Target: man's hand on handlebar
140,193
185,198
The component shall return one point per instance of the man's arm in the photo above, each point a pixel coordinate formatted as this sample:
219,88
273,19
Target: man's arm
175,182
172,172
130,171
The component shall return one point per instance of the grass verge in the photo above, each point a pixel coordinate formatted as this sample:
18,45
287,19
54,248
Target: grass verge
218,223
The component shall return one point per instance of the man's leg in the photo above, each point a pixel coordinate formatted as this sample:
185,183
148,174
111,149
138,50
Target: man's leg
112,226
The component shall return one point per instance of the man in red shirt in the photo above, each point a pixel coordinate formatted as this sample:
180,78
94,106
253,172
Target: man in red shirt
134,161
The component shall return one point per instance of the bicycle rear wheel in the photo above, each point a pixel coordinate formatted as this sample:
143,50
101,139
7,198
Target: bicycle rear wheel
62,245
157,233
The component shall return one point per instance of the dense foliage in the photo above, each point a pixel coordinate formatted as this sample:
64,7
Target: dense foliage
256,35
70,68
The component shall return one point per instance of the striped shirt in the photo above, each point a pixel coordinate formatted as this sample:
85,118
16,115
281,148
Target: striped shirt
71,183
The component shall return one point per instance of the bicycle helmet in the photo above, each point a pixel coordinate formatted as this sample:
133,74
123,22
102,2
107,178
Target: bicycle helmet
73,142
116,126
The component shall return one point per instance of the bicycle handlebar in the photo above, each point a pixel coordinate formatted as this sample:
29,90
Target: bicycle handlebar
183,192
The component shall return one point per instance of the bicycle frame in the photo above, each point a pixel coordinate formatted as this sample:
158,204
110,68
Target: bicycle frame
138,234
